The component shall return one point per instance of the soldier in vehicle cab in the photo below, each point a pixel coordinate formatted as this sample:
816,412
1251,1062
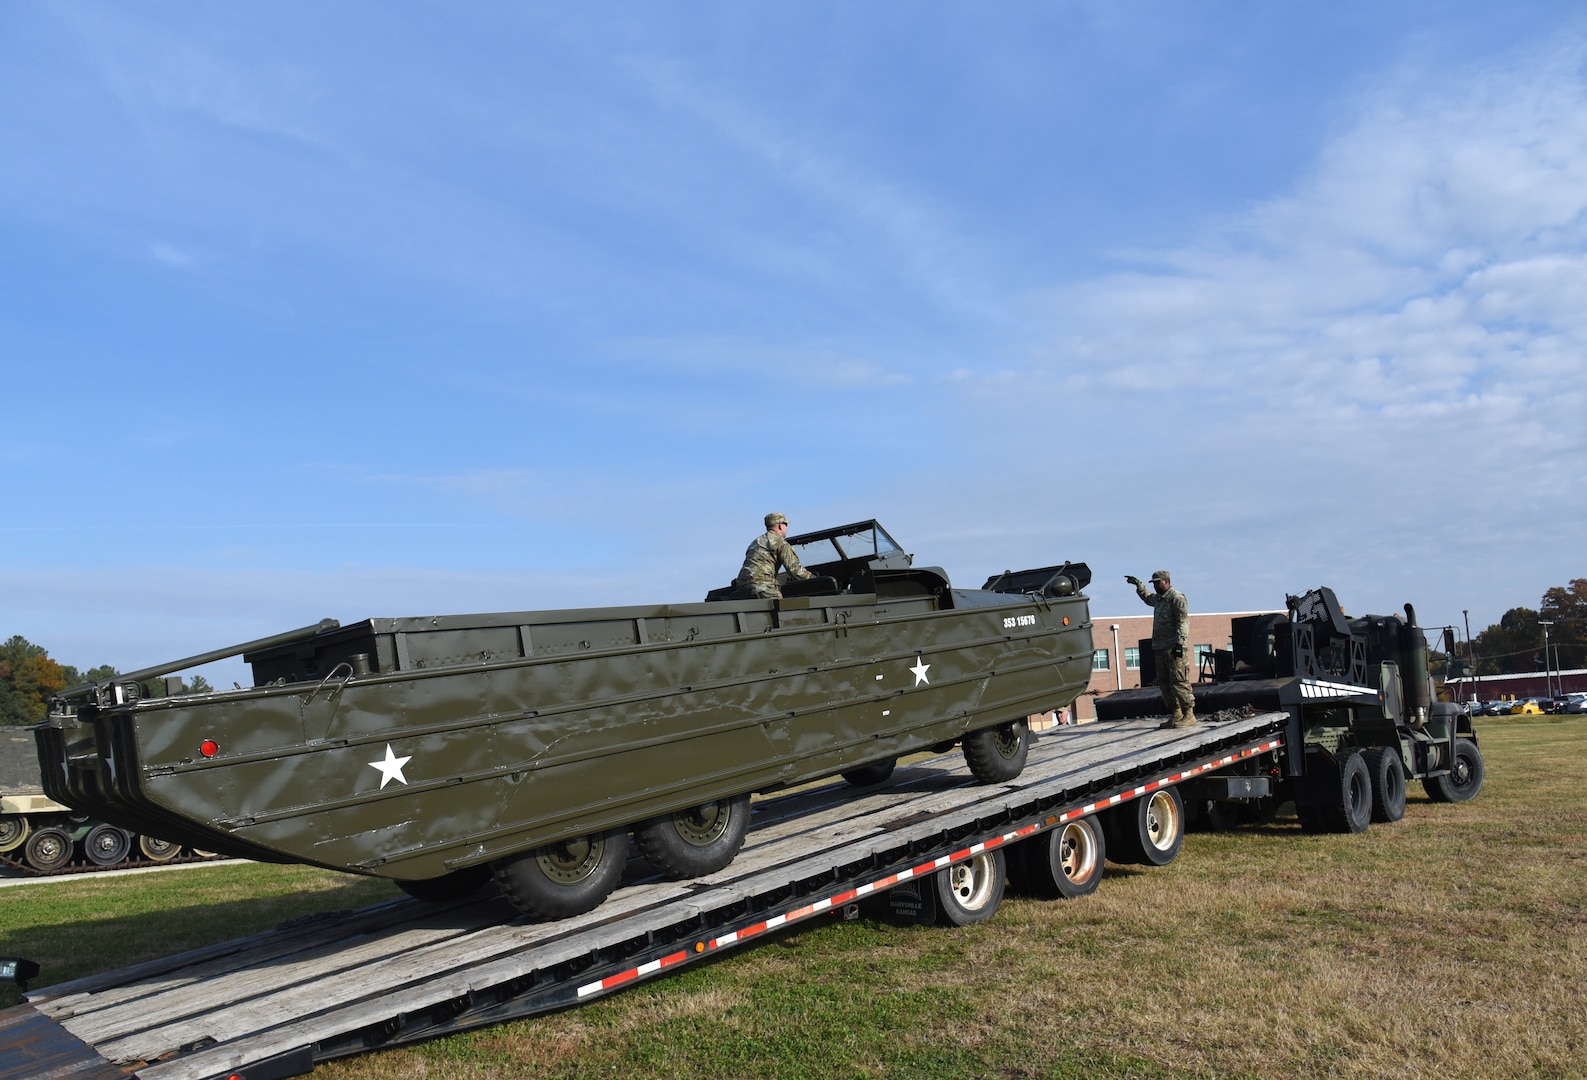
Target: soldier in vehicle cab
766,553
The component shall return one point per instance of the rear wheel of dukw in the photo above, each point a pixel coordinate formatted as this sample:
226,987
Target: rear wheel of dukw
699,840
564,879
970,891
997,754
454,886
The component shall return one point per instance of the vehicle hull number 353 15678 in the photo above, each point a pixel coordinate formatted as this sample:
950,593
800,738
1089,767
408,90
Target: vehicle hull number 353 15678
1018,620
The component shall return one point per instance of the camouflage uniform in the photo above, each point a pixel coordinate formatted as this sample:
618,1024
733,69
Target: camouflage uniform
1170,638
765,553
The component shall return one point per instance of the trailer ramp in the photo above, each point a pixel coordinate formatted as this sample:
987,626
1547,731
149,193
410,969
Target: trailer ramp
274,1004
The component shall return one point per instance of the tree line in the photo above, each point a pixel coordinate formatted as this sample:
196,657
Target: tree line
1514,644
29,678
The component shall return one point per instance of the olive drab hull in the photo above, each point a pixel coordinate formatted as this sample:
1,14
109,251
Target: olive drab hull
413,748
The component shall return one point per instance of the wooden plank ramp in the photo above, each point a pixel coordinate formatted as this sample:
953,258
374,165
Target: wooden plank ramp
273,1004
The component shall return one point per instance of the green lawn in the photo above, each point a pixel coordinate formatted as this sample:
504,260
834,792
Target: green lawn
1452,943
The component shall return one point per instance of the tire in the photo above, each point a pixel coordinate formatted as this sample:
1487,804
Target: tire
970,892
563,879
156,850
696,841
448,887
998,754
1387,774
1464,778
106,845
48,849
1217,815
870,775
1062,863
1348,808
1149,830
14,832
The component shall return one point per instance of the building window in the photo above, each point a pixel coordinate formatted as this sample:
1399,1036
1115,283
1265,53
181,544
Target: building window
1099,660
1132,659
1203,654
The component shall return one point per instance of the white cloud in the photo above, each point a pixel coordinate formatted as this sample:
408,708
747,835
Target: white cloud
172,256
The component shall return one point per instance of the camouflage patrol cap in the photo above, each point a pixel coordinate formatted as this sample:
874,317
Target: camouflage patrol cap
1160,575
775,519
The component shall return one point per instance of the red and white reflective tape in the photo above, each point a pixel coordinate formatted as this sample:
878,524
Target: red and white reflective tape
837,900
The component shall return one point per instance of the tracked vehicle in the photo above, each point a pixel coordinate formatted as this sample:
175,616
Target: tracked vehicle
41,836
1364,719
528,746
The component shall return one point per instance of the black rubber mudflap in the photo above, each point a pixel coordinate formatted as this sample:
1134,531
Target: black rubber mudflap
34,1047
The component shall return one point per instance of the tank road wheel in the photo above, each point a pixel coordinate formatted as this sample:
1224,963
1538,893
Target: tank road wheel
870,775
156,850
997,754
14,832
1150,830
48,849
1464,779
1388,783
564,879
1348,808
106,845
970,891
1061,863
696,841
454,886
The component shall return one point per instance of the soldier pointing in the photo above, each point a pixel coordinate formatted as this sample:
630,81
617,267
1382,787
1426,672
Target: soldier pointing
1170,631
764,555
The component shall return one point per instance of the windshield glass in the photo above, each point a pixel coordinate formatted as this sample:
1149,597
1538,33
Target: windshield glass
816,552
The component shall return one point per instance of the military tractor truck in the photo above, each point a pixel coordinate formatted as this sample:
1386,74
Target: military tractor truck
1362,714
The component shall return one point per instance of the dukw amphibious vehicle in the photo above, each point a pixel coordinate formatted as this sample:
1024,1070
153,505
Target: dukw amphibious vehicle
532,746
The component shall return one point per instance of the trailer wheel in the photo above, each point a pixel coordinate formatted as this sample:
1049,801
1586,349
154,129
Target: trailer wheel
1149,831
14,832
1061,863
454,886
1349,805
1388,783
1464,778
156,850
1216,815
970,891
106,845
48,849
998,753
870,775
696,841
563,879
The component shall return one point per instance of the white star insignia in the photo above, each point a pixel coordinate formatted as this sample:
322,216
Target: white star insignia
391,768
920,669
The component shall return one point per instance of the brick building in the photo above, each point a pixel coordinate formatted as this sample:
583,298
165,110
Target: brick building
1116,663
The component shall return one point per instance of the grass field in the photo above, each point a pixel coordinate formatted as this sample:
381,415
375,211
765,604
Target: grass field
1453,943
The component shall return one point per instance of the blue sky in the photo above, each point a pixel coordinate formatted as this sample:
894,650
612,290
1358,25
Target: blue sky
409,308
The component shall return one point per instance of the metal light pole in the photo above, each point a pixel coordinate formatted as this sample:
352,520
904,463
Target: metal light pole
1548,672
1471,656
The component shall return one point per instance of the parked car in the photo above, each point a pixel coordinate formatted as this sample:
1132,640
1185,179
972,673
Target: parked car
1496,708
1528,707
1575,703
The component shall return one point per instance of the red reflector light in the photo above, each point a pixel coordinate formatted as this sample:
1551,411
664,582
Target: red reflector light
209,748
